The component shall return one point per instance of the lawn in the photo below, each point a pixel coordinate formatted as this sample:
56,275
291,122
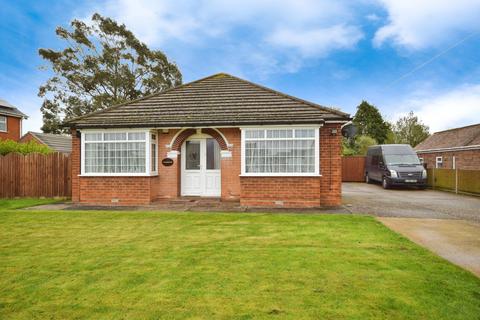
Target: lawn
9,204
147,265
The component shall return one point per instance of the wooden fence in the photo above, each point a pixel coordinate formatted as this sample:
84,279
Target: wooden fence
353,169
459,181
35,175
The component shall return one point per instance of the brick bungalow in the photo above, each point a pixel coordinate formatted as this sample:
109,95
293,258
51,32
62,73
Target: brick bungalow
457,148
219,136
10,121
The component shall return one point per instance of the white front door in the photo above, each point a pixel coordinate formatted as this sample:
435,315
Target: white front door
201,167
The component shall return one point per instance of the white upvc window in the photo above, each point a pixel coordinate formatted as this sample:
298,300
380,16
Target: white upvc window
285,151
438,162
119,153
3,123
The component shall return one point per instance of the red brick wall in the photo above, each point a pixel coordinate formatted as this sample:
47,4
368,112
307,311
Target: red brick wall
465,160
283,192
75,156
331,165
116,190
13,129
231,166
168,177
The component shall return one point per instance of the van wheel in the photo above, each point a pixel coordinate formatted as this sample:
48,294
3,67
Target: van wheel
367,179
385,183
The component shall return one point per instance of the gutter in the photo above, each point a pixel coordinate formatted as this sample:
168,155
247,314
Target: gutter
462,148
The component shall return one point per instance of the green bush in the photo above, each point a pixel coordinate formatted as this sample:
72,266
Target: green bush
357,146
8,146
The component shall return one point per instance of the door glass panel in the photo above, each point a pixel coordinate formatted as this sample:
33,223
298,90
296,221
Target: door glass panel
192,155
213,155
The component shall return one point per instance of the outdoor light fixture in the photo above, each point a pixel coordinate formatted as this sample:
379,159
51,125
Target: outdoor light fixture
164,130
334,132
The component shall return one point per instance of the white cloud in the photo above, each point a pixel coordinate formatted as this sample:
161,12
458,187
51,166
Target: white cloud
419,24
287,31
455,108
372,17
156,21
317,42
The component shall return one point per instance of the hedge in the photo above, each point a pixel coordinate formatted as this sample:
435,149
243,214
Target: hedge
9,146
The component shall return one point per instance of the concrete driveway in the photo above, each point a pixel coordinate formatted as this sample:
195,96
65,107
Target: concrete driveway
446,223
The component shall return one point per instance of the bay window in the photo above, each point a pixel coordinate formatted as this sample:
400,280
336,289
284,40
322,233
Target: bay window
119,153
280,151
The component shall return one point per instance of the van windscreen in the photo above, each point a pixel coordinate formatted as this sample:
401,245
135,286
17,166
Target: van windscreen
399,159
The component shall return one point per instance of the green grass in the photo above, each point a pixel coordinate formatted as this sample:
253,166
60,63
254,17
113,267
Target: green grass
146,265
10,204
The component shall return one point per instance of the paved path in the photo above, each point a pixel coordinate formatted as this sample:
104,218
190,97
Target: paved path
455,240
446,223
410,203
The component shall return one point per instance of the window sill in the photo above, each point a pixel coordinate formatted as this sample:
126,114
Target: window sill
118,175
273,175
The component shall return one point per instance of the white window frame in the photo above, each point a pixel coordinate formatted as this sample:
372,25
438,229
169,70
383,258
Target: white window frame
4,120
281,174
438,160
148,156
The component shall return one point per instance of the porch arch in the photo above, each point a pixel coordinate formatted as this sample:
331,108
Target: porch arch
185,133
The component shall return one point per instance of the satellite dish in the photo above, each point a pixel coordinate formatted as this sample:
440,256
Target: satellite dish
349,130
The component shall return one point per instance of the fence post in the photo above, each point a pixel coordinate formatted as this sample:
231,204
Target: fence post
456,180
433,179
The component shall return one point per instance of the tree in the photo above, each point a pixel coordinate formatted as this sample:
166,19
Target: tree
369,122
102,65
358,146
410,130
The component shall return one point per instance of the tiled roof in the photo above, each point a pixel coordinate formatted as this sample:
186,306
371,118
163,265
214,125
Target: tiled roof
57,142
453,138
217,100
8,110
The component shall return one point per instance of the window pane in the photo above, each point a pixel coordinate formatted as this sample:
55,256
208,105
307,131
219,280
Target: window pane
3,123
304,133
192,155
115,157
279,133
113,136
154,157
137,136
254,134
213,155
93,136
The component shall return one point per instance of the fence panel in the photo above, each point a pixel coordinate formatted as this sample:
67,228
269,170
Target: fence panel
35,175
467,181
353,169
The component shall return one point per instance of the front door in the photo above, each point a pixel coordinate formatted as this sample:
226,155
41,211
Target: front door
201,167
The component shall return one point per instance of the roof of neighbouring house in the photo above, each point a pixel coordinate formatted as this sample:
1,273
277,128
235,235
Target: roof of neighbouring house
57,142
452,138
218,100
9,110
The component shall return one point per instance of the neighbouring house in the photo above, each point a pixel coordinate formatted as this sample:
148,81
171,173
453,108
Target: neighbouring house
457,148
10,121
219,136
57,142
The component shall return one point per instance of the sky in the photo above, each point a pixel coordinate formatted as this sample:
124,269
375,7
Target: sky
400,55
